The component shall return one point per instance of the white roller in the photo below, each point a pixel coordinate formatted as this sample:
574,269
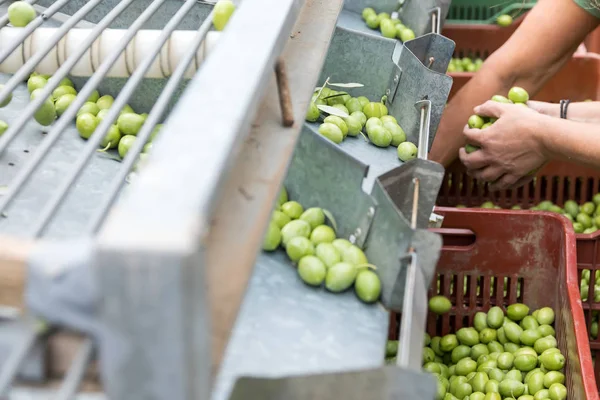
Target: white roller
139,48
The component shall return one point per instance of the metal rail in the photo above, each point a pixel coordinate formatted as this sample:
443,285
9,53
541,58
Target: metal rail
77,370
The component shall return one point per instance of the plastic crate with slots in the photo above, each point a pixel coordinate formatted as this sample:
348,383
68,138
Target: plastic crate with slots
557,182
577,80
479,12
536,253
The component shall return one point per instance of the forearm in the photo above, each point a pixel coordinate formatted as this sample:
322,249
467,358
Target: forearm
495,77
587,111
569,140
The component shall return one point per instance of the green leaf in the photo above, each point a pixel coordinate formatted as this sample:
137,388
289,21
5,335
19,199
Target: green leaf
331,219
333,111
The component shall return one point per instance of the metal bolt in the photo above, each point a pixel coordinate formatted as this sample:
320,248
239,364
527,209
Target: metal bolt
396,78
371,212
388,91
357,232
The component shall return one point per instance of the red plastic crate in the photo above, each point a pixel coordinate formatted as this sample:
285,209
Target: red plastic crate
557,182
578,80
536,251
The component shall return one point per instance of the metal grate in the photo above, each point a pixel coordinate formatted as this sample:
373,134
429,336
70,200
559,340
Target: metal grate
62,127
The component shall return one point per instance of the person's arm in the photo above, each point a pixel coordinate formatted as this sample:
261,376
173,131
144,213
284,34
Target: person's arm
570,141
523,140
587,111
542,44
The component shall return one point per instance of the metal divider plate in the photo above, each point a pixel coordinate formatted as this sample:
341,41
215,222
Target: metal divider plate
418,13
288,328
374,62
418,82
381,384
399,185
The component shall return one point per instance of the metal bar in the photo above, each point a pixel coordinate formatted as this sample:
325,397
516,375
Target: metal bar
76,372
94,140
157,261
424,107
53,82
153,117
29,66
62,123
11,368
39,20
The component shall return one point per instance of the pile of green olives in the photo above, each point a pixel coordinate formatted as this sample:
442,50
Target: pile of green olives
321,258
381,129
389,27
516,95
504,354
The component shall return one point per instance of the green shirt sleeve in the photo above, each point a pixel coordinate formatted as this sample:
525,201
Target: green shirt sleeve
591,6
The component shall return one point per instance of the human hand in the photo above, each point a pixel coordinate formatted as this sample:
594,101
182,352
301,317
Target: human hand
509,150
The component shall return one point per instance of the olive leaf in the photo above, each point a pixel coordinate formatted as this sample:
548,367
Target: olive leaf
329,216
333,111
347,85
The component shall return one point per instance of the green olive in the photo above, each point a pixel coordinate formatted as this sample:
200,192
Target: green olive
314,216
292,209
374,109
328,254
125,144
380,136
557,391
272,239
340,277
62,90
312,270
518,95
283,195
86,125
112,138
331,132
293,229
475,122
88,108
495,317
94,96
36,82
341,245
388,29
105,102
280,219
517,311
353,105
504,20
361,117
298,247
439,305
354,125
354,255
339,122
468,336
130,123
3,127
63,102
8,98
313,112
398,135
322,234
552,377
553,361
487,335
367,286
407,151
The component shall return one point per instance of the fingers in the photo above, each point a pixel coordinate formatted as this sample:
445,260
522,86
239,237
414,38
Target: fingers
474,161
487,174
474,136
521,182
505,182
491,109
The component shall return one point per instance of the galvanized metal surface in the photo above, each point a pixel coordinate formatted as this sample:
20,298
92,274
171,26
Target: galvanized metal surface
399,184
389,383
377,62
418,14
150,260
286,328
12,334
387,243
316,165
